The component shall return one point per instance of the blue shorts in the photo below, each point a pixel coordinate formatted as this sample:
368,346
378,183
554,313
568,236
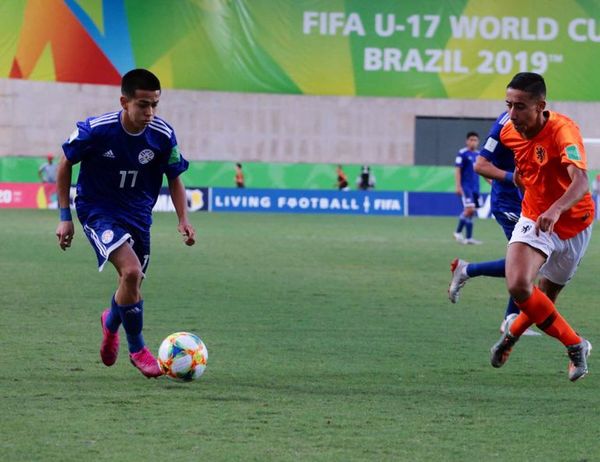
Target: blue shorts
471,199
507,220
107,234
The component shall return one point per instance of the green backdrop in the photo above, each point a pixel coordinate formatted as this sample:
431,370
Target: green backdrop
274,175
19,169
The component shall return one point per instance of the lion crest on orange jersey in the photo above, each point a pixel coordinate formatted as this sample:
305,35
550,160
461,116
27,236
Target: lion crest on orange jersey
540,154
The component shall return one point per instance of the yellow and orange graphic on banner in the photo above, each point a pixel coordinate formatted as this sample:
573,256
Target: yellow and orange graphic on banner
431,49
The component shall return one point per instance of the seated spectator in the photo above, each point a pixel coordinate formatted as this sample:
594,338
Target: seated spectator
366,179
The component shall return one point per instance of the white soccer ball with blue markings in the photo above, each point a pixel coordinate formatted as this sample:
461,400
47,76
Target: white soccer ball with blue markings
182,356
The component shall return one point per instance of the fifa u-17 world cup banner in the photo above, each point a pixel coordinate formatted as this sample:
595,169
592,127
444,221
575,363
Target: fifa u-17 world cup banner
431,48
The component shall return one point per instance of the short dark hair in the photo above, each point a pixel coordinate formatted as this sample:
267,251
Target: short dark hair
470,134
238,165
139,79
529,82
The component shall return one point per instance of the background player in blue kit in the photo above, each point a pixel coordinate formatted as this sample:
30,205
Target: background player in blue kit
123,157
467,186
497,163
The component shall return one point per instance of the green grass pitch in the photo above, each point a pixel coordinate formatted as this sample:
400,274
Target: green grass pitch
330,339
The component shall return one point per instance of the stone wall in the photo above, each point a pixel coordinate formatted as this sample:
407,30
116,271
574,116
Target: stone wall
35,118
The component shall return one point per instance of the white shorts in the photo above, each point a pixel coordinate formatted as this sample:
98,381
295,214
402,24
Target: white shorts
563,256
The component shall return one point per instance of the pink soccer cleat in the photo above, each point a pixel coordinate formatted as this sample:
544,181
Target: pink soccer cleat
109,348
146,363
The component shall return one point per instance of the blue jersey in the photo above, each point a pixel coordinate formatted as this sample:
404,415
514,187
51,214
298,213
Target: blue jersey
469,180
505,195
121,173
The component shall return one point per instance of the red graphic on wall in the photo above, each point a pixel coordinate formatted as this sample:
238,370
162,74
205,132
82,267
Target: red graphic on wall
75,56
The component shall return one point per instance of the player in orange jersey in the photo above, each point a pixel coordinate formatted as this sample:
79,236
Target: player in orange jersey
342,179
554,229
239,176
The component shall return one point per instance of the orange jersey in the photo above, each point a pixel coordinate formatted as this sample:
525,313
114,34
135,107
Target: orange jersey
542,163
239,178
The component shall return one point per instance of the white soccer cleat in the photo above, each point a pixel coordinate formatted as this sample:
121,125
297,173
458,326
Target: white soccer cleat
472,241
511,317
458,237
578,355
459,278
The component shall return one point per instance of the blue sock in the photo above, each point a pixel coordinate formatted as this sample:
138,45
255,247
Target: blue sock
511,308
461,223
469,227
495,269
133,321
113,320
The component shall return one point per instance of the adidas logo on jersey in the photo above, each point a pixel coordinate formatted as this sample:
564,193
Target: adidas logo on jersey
109,154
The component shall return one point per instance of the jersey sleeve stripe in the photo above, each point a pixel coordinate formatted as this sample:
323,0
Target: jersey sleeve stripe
104,122
161,130
162,124
104,117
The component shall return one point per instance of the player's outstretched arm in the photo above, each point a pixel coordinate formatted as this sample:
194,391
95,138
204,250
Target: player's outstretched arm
179,199
488,170
65,229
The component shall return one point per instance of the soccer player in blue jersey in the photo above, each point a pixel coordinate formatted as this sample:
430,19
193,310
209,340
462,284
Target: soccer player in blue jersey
467,186
497,163
123,157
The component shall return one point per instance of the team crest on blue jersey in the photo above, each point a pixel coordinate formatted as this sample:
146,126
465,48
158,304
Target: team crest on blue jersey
107,236
145,156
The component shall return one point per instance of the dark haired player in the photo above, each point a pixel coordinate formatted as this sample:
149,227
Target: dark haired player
123,157
554,228
467,187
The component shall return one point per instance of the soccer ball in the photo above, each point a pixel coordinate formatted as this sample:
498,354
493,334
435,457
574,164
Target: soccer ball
182,356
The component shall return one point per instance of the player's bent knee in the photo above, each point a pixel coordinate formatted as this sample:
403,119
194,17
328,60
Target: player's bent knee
132,275
520,289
